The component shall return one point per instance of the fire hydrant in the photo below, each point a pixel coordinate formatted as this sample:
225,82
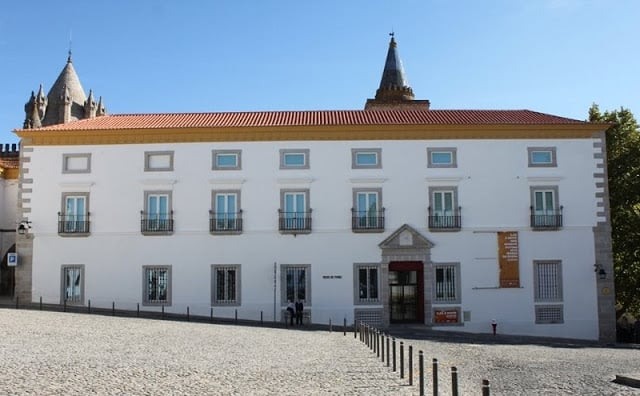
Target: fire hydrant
494,326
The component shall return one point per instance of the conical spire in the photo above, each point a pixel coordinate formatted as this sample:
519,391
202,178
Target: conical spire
67,86
394,91
393,77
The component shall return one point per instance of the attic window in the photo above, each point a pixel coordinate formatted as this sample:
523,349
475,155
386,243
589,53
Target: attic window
158,161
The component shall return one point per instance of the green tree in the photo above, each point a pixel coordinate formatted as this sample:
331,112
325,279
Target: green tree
623,164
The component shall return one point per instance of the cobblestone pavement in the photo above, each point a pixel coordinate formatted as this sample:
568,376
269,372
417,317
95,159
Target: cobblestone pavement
47,353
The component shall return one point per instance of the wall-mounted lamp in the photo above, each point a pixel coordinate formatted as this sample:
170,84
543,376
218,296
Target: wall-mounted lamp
24,227
598,269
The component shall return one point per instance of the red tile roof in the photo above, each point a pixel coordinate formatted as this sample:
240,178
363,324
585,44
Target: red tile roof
313,118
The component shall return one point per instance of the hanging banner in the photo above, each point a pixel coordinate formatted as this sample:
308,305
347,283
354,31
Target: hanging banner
509,259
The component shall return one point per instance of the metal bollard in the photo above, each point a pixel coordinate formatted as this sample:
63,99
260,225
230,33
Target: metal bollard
486,391
138,310
401,359
64,305
388,359
454,381
261,322
435,377
113,308
382,347
41,303
377,343
89,306
162,315
394,354
330,329
421,372
344,327
211,315
410,365
17,299
355,330
188,313
236,317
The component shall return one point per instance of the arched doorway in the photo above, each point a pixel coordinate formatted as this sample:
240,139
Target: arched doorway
7,275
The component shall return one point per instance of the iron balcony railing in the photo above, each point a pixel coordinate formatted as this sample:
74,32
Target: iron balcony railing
294,222
73,224
439,221
156,223
227,222
367,220
547,220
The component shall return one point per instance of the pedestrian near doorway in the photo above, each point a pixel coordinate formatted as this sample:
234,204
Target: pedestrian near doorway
291,311
299,310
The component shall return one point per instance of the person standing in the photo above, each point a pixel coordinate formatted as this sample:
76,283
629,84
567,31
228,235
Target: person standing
290,310
299,310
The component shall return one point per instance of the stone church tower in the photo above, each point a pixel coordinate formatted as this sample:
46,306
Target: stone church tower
65,102
394,92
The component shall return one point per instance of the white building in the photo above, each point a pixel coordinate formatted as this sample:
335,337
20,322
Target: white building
392,214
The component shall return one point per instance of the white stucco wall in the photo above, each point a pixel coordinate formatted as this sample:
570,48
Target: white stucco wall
493,181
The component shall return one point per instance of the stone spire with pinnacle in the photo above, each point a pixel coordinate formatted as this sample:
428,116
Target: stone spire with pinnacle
394,92
65,102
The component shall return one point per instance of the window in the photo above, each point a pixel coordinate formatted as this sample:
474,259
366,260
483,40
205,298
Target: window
74,218
295,215
444,212
547,281
226,214
445,157
367,283
72,284
296,284
366,158
541,157
227,159
545,210
156,285
447,283
76,163
158,215
368,215
158,161
547,286
294,159
225,285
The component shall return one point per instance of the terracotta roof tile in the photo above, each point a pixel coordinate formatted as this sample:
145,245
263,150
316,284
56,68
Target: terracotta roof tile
312,118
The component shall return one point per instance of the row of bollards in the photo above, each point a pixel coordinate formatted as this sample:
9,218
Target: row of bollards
375,340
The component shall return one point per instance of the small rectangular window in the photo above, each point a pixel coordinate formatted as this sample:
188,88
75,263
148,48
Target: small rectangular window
227,159
547,281
158,161
156,285
294,159
76,163
366,158
73,284
295,284
367,287
442,157
225,284
446,283
541,157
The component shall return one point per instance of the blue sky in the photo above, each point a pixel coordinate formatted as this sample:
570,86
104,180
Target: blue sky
154,56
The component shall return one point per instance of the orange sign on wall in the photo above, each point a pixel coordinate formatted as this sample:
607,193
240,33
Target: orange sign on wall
509,259
446,316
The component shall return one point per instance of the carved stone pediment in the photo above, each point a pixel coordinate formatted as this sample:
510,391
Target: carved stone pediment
406,237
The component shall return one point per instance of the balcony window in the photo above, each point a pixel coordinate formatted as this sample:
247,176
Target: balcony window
546,214
157,218
367,214
74,218
226,217
444,214
294,214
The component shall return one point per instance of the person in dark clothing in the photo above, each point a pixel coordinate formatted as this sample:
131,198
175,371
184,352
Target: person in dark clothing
290,311
299,310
